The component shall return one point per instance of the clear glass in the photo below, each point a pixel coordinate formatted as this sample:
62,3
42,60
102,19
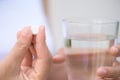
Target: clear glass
87,44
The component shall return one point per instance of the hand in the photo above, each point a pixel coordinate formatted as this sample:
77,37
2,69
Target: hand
58,70
112,73
20,63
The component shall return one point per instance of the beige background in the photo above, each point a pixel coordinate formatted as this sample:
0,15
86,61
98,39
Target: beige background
91,9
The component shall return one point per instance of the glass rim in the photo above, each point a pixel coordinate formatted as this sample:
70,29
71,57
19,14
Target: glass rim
87,21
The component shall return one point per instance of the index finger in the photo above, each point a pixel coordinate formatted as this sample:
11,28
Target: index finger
20,48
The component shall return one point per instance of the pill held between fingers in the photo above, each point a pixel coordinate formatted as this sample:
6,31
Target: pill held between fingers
34,29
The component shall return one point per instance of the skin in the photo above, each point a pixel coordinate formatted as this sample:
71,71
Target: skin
19,65
114,71
43,66
104,73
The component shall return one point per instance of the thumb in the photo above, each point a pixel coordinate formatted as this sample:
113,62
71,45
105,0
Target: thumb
20,48
109,72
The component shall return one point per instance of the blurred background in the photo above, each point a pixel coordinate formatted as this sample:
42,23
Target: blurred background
15,14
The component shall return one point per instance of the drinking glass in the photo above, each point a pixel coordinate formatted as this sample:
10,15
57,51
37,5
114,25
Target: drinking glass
87,44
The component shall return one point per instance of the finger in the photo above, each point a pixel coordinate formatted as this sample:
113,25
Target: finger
33,51
115,51
116,63
60,57
27,61
18,34
109,79
28,58
41,47
44,59
19,50
109,72
34,39
32,47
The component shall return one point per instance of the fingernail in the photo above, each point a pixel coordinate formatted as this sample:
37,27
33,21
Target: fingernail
25,31
102,71
42,28
42,32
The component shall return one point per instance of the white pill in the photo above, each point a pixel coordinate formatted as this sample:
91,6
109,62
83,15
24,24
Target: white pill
34,29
